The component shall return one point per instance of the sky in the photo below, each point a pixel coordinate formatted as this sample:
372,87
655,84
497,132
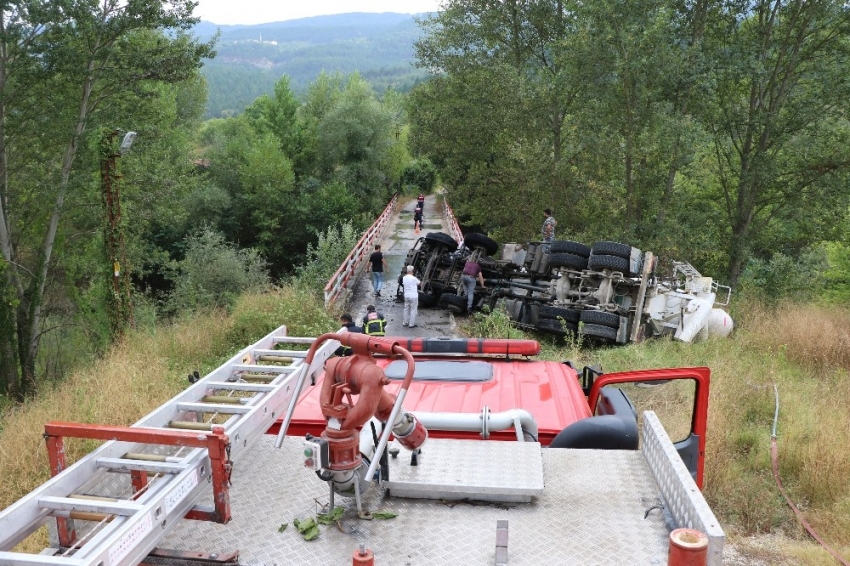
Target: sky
249,12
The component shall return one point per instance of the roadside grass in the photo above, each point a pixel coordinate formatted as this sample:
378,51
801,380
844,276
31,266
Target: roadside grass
805,351
136,376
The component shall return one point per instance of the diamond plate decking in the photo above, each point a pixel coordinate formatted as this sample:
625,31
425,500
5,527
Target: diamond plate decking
591,512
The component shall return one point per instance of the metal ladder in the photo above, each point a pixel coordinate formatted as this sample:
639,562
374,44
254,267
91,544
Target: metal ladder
130,492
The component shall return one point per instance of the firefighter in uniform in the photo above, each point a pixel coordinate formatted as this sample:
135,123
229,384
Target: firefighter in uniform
374,323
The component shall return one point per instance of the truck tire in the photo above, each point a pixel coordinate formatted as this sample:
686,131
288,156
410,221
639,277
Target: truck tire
614,263
568,315
427,300
599,331
555,326
453,303
474,240
443,239
601,318
570,261
612,248
569,247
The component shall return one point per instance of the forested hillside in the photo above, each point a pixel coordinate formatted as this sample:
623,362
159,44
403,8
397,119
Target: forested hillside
251,59
710,131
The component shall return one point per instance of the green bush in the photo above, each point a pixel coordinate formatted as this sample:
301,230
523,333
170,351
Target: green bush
327,255
214,273
784,276
421,175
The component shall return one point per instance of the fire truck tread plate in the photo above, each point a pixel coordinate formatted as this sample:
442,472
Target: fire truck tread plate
591,512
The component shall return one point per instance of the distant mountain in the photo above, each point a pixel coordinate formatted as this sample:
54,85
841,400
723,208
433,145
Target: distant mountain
251,59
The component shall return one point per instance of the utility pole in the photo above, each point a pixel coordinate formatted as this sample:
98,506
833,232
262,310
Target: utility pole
119,292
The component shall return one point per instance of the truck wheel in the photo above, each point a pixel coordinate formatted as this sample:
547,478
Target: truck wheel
612,248
570,261
569,247
568,315
473,241
452,303
555,326
614,263
427,299
599,331
443,239
601,317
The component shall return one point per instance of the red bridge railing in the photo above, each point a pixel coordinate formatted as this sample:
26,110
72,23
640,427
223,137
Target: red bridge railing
451,222
350,266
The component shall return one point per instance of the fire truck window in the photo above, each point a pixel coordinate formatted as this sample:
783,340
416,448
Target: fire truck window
442,371
672,401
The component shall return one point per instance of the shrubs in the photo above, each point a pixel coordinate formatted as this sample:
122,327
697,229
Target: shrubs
214,272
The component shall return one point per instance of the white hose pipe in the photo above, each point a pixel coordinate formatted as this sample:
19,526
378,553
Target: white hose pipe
483,422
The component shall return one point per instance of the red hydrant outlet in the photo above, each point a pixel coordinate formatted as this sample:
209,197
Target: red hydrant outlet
688,547
363,557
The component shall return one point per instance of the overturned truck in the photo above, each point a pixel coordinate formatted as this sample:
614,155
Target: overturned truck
609,292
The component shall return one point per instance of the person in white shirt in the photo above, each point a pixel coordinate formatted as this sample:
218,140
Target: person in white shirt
411,298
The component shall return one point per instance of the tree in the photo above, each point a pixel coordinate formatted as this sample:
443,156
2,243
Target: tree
67,60
779,125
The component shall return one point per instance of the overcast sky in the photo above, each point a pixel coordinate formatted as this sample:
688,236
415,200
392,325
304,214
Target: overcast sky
228,12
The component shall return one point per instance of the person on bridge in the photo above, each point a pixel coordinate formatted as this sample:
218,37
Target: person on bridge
417,219
347,326
420,202
411,298
374,323
471,274
377,263
548,229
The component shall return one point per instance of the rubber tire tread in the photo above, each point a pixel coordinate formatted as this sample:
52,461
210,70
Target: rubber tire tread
554,326
571,261
601,318
453,303
476,240
427,300
612,248
443,239
569,247
569,315
599,331
612,262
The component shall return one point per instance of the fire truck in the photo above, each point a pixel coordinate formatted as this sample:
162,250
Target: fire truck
608,292
409,451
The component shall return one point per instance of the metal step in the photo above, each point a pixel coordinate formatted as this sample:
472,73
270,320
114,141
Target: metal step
114,505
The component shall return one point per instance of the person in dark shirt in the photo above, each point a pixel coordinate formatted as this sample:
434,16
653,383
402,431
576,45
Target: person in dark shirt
471,274
374,323
417,219
347,326
420,202
377,263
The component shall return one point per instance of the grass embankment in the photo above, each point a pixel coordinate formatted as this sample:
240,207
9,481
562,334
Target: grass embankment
805,351
136,376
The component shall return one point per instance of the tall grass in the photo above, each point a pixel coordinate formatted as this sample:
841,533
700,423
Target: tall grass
139,374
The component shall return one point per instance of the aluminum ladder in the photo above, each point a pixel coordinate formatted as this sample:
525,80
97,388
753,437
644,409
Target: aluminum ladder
114,505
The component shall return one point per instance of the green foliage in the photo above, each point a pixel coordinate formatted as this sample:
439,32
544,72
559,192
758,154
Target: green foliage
420,176
214,273
324,258
493,324
837,275
783,276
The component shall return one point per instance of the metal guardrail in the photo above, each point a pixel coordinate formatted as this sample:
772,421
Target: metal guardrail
338,282
451,221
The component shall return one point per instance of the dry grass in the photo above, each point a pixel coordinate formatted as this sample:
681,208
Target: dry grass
135,377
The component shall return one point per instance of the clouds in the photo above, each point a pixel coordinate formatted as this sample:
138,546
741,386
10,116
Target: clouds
230,12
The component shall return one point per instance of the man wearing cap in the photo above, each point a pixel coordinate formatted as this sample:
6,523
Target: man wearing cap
374,323
411,298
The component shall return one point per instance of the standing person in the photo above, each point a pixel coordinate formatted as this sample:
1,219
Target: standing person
374,323
471,274
347,326
377,263
417,219
420,202
411,298
549,224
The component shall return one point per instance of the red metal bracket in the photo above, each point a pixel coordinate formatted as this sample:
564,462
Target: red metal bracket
216,442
